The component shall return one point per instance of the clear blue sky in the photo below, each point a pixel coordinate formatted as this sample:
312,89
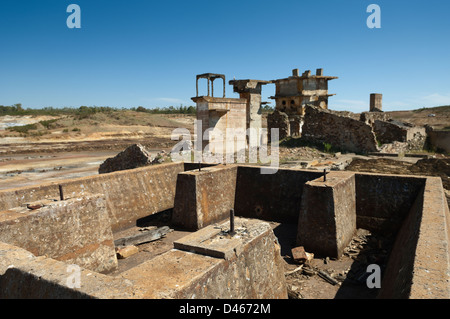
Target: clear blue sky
147,53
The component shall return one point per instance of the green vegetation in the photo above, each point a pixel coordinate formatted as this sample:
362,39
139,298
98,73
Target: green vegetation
87,111
327,147
167,110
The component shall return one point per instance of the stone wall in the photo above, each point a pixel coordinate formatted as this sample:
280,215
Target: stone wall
278,120
342,132
77,231
391,131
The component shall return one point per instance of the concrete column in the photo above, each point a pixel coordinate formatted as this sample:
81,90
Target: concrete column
327,219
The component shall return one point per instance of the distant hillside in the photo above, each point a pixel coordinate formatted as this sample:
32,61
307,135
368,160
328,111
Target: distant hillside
438,117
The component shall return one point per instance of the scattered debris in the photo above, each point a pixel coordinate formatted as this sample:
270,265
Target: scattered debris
127,251
300,255
134,156
143,237
322,274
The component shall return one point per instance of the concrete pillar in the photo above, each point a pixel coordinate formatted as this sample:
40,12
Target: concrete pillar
327,220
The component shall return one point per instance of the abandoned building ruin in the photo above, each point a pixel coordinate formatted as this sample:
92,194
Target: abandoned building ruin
292,95
62,239
301,110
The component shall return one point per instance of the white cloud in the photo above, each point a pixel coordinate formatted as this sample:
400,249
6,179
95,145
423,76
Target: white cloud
169,100
435,99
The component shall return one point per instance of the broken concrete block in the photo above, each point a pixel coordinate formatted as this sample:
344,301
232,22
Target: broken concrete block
299,254
127,251
132,157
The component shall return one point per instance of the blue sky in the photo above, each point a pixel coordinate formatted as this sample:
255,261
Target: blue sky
147,53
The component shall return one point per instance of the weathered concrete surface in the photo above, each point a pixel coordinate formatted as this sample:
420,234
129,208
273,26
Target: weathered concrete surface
250,90
129,195
76,231
133,156
24,276
327,219
253,270
419,266
204,197
342,132
223,123
383,201
274,197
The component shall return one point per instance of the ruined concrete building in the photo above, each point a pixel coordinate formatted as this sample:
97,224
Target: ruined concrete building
292,94
225,121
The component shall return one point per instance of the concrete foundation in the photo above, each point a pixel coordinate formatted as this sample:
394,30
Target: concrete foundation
210,263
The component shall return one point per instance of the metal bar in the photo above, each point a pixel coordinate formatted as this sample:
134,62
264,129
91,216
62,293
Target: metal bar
232,232
61,194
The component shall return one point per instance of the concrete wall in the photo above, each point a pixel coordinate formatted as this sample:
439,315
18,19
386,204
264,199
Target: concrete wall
324,126
419,264
254,270
383,201
76,231
204,197
25,276
274,197
129,195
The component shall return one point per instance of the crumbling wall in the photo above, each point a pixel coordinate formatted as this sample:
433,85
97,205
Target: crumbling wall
390,131
76,231
280,121
342,132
